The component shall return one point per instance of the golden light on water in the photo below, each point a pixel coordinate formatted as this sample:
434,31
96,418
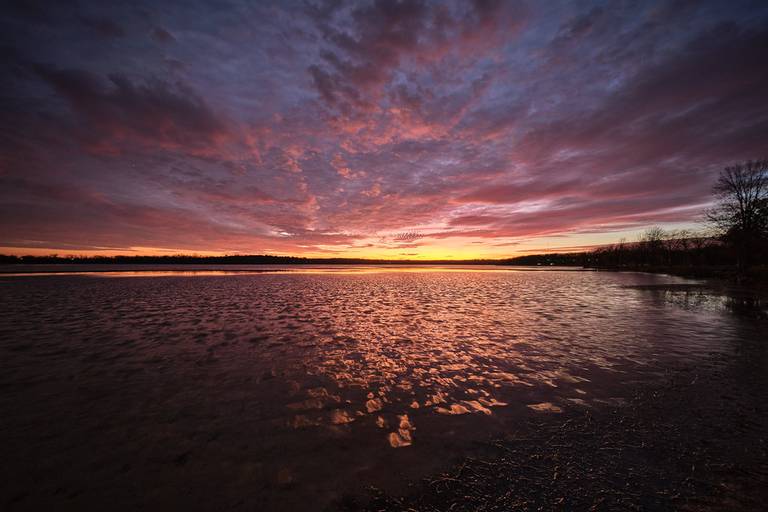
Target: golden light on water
298,270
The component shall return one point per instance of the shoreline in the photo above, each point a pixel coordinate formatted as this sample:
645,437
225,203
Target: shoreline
694,442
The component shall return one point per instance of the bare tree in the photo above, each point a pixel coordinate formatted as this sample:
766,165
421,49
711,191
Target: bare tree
651,244
741,212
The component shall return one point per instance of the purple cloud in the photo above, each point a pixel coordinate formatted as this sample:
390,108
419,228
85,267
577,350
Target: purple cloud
364,128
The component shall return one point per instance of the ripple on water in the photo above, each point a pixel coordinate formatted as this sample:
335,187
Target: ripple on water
342,366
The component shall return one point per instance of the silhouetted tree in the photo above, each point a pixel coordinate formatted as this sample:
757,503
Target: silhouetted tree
741,213
651,243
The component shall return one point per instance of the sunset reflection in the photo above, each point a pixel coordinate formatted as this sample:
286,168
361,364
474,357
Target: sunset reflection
386,348
359,347
259,269
364,368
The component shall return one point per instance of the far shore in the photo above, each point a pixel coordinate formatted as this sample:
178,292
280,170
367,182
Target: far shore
756,276
753,281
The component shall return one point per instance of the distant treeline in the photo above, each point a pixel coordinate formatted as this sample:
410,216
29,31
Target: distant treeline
659,248
250,259
570,259
655,249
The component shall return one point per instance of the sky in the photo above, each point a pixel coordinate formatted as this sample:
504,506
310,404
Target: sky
378,129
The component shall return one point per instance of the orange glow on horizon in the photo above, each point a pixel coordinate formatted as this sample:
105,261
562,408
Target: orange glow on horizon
425,248
424,254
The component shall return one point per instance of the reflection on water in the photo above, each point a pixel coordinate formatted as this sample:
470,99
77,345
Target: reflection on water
141,273
213,270
294,385
549,407
700,296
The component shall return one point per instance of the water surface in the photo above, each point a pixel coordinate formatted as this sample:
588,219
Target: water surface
209,388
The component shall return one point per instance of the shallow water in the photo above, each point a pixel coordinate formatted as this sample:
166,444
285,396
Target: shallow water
289,388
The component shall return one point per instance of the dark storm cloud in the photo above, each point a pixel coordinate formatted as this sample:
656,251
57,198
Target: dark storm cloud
103,27
161,35
118,110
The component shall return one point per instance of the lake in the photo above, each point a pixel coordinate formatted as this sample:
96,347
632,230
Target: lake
289,387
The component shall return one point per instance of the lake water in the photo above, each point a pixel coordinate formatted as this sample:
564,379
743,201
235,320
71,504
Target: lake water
291,387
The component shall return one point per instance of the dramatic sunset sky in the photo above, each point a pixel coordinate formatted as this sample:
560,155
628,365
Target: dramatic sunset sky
377,129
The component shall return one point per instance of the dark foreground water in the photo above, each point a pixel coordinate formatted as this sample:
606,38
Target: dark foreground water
288,390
